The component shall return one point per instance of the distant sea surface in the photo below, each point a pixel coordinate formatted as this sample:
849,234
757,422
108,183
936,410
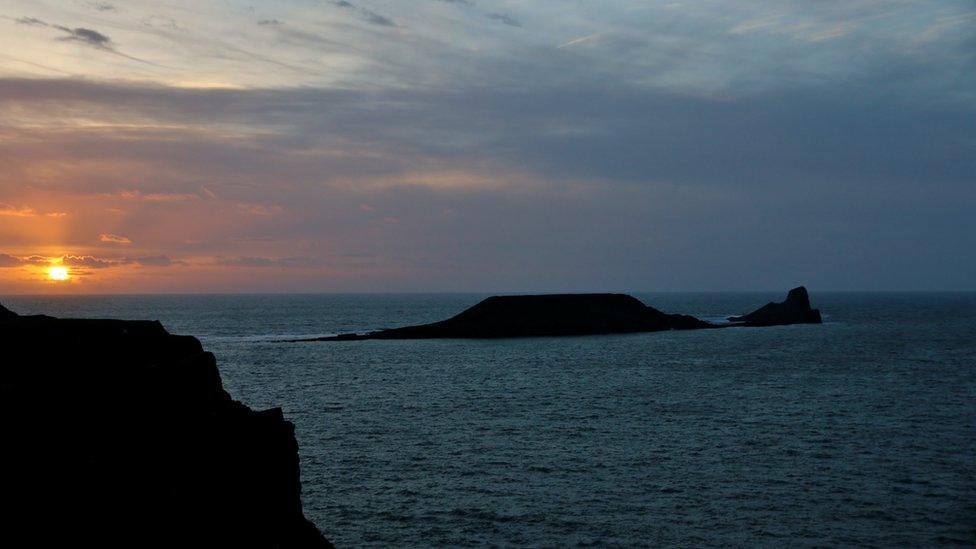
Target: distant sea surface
861,431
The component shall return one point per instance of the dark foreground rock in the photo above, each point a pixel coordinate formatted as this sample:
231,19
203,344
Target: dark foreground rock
119,434
573,314
795,310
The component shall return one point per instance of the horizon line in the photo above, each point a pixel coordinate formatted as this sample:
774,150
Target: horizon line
479,292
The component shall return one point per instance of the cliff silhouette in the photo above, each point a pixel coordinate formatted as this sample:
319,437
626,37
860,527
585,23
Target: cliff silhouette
120,434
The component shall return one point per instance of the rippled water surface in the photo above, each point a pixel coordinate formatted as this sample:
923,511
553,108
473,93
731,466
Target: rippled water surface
860,431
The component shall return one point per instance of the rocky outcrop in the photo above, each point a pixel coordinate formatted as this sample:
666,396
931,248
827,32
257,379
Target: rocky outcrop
579,314
119,434
795,310
543,315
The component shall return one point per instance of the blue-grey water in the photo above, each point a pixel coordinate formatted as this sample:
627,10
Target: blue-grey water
861,431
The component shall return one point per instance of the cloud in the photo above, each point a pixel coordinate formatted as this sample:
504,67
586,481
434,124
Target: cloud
31,21
139,196
377,19
155,261
86,36
246,262
82,35
94,262
264,210
262,262
88,261
504,18
693,149
7,260
624,136
589,38
113,239
164,23
369,15
9,210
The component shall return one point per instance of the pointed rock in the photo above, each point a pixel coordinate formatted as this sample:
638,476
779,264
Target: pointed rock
794,310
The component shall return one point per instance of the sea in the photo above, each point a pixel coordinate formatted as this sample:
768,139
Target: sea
858,432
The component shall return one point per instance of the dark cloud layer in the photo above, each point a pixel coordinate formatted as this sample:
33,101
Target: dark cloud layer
76,34
835,134
263,262
601,161
504,18
95,262
32,21
86,36
82,35
369,15
155,261
7,260
87,261
616,146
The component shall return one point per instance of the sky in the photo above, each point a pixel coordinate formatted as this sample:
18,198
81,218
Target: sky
487,145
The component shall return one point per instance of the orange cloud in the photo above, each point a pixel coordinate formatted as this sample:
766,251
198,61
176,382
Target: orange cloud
114,239
13,211
157,197
7,260
94,262
88,261
260,209
262,261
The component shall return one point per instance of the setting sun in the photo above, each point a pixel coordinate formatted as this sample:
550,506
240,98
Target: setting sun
57,273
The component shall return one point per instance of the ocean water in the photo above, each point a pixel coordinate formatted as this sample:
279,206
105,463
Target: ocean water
860,431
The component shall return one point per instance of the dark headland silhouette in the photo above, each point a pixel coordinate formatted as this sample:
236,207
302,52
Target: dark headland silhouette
581,314
119,434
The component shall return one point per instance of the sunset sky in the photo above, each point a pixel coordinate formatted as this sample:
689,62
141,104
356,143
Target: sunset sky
481,145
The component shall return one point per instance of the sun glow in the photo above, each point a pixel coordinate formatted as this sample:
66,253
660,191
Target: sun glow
57,273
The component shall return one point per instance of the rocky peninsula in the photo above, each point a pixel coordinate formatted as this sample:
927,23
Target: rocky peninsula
581,314
120,434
